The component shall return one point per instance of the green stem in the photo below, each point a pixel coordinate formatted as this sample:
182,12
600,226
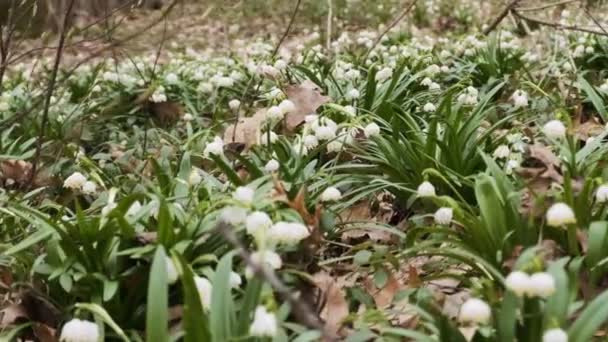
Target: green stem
572,240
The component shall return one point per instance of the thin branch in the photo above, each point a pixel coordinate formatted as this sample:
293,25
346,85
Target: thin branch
500,17
394,23
558,25
51,88
545,6
597,23
329,21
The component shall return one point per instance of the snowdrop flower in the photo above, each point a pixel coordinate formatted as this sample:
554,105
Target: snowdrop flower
89,188
195,177
501,152
426,189
234,280
555,335
204,288
542,285
264,323
335,146
234,215
350,110
560,214
331,194
475,311
434,86
443,216
325,132
310,141
78,330
234,105
601,195
75,181
518,282
243,195
352,94
286,106
171,271
258,223
188,117
159,95
264,258
268,137
272,165
554,129
225,82
288,233
429,107
216,148
426,81
384,75
371,130
512,164
520,99
274,113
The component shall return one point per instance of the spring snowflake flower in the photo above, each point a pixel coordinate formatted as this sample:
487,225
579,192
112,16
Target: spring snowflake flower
235,280
350,110
78,330
258,223
427,81
204,288
560,214
429,107
159,95
384,74
272,165
264,258
171,271
216,147
475,310
501,152
325,132
89,188
264,323
520,99
286,107
352,94
280,65
188,117
171,78
554,129
469,97
310,141
331,194
444,216
268,137
274,113
234,215
555,335
371,130
288,233
195,177
244,195
426,189
225,82
335,146
601,194
542,285
234,105
518,282
75,181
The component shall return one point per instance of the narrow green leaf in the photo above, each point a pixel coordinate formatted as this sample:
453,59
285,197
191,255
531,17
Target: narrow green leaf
157,308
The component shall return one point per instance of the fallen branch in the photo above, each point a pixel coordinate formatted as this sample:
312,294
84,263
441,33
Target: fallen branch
545,6
500,17
558,25
390,27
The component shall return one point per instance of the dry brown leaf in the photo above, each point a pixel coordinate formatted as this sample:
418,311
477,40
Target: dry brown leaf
384,296
247,130
335,309
307,98
12,314
166,113
588,129
44,333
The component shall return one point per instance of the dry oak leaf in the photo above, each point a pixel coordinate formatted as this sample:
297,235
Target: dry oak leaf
247,131
335,309
307,98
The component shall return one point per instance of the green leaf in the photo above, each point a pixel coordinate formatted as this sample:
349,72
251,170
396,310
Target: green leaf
362,257
594,97
196,322
222,315
104,316
157,309
249,303
587,323
507,317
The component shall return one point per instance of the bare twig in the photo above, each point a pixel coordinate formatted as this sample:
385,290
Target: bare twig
558,25
394,23
500,17
301,310
597,23
51,87
545,6
329,21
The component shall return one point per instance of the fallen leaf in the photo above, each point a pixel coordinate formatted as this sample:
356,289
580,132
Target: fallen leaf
44,333
12,315
307,98
166,113
247,131
335,309
384,296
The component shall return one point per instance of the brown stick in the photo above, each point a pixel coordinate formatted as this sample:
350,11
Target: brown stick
501,16
558,25
389,27
542,7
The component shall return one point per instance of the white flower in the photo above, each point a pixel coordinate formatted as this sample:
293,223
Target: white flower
244,195
234,215
264,258
350,110
268,137
426,189
426,82
188,117
325,132
108,208
287,106
352,94
512,164
335,146
216,147
158,96
225,82
78,330
520,99
502,152
234,280
234,105
518,282
601,195
443,216
280,65
560,214
542,285
257,223
195,177
555,335
89,188
384,75
171,271
274,113
429,107
288,233
272,165
554,129
331,194
371,130
204,288
310,141
475,310
75,181
264,323
134,209
171,78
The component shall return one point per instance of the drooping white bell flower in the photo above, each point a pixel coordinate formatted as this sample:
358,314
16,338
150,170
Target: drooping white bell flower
264,323
75,181
426,189
554,129
475,310
444,216
518,282
244,195
271,166
560,214
78,330
331,194
371,129
204,288
555,335
542,285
